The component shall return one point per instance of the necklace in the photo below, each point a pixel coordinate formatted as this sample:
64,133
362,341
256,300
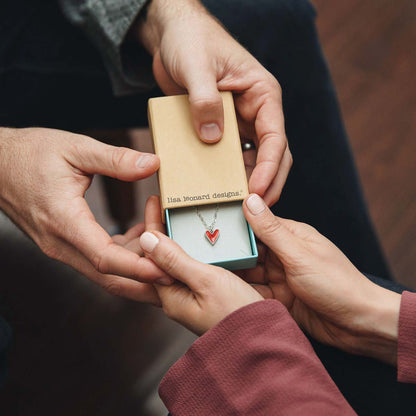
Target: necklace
211,233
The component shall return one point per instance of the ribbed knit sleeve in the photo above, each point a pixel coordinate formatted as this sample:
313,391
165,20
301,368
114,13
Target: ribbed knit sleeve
255,362
106,23
406,353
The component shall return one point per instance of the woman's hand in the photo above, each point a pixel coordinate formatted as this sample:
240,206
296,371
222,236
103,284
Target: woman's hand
202,295
321,288
44,175
193,53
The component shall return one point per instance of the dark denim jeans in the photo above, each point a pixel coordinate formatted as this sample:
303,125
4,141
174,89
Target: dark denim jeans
51,76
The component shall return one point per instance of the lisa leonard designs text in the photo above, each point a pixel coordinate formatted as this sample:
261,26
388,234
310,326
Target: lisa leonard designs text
215,195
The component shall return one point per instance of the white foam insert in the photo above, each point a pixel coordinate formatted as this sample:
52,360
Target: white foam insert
189,232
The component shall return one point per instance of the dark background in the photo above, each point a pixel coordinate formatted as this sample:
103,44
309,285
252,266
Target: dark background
370,46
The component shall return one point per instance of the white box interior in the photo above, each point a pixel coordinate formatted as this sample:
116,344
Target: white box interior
189,232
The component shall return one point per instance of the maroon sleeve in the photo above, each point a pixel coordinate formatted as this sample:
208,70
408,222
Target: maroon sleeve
254,362
406,348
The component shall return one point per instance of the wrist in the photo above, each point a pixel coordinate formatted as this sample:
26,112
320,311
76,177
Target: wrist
380,326
149,29
7,139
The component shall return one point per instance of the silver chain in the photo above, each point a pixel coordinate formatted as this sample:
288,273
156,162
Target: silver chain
210,228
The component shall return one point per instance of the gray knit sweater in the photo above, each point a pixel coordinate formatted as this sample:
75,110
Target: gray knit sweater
106,23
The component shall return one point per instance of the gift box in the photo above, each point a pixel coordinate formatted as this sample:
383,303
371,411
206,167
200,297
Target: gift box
202,185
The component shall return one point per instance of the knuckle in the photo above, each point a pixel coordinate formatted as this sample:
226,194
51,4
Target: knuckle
301,229
276,145
308,229
279,140
274,83
290,158
170,261
118,156
99,261
113,287
206,103
270,227
281,145
78,149
207,281
50,250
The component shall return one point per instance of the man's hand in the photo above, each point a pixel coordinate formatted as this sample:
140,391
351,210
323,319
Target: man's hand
193,53
321,288
44,175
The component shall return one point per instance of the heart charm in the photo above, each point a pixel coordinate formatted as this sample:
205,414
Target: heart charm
212,237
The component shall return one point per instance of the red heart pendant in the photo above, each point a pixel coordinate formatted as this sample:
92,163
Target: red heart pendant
212,237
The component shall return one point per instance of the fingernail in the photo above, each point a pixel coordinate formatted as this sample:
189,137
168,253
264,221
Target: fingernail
143,160
255,204
148,241
210,132
165,281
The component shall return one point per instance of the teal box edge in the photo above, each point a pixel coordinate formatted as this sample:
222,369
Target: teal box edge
232,264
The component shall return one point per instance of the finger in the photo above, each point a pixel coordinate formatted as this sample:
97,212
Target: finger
114,285
283,293
153,215
205,102
174,295
264,291
166,83
272,142
175,262
179,303
134,246
246,128
274,191
119,239
132,233
249,158
270,229
254,275
129,289
91,156
97,246
262,252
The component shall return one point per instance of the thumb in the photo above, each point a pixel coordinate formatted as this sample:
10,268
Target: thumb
175,262
93,157
271,230
206,103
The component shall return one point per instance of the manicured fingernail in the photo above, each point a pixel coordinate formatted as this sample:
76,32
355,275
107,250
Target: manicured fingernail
255,204
210,132
143,160
165,281
148,241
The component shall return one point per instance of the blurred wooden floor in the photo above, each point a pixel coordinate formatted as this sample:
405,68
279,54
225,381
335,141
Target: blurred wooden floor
370,46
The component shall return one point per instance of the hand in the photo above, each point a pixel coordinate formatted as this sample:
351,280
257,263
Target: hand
202,295
184,40
321,288
44,175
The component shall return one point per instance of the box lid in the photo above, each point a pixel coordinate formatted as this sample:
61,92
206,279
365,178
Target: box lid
192,172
